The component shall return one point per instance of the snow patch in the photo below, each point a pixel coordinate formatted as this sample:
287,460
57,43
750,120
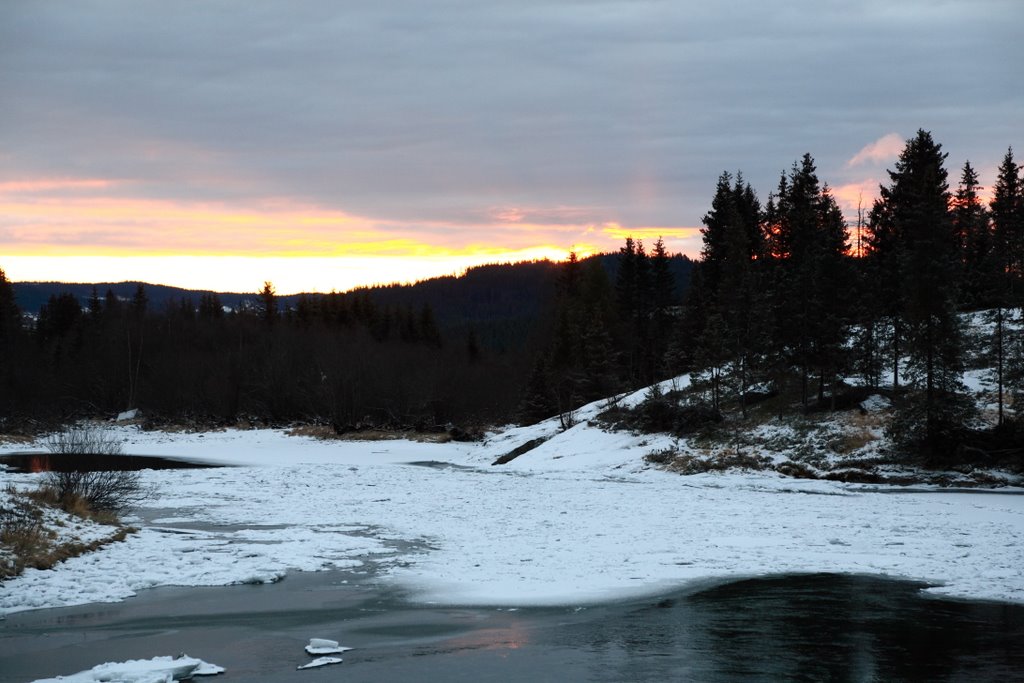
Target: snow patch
321,661
876,403
322,646
155,670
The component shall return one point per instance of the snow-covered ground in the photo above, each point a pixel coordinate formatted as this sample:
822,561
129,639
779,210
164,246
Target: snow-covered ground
579,519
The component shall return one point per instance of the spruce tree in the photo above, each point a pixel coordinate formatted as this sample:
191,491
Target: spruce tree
808,244
1007,210
919,202
538,401
268,304
1007,214
662,298
10,314
979,271
726,297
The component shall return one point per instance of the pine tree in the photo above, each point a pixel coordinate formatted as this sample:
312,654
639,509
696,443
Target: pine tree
210,307
539,398
808,243
1007,214
979,269
883,271
140,302
95,305
111,305
268,304
662,298
919,202
10,314
633,299
1007,209
729,288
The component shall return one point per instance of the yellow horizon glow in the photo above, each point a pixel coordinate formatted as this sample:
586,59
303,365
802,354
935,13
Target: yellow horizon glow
82,230
289,275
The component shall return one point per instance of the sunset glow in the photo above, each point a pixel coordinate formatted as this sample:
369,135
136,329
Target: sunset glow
83,231
325,145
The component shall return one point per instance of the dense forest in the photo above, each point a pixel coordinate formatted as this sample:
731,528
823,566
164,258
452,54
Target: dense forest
786,297
446,351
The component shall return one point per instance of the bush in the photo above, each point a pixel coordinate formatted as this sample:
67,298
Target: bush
658,413
101,491
82,440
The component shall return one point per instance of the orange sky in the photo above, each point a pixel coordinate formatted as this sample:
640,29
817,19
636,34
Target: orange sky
110,229
322,145
94,230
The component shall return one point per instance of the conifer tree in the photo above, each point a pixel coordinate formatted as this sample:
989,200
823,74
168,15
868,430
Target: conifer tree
111,305
1007,210
10,315
662,298
729,288
633,299
140,302
1007,214
539,398
808,242
268,304
95,305
979,270
919,200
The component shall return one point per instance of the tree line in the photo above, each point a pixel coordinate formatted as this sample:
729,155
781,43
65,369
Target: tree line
785,297
343,359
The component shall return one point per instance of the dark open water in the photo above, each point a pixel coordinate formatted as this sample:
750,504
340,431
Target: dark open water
790,628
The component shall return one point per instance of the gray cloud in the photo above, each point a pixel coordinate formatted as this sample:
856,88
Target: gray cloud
452,111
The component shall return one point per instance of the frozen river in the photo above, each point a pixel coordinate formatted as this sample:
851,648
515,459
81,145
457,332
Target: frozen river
810,627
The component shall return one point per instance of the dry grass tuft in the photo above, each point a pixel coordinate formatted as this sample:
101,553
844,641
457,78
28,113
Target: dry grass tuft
27,542
689,464
854,440
327,433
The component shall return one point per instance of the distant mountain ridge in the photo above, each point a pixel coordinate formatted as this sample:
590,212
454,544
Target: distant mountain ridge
31,296
489,294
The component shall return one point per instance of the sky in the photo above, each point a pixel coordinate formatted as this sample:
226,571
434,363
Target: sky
325,144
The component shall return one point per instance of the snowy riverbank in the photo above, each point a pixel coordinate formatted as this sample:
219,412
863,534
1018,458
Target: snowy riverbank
580,519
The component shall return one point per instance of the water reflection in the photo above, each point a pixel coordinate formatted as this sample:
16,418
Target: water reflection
92,462
791,628
810,628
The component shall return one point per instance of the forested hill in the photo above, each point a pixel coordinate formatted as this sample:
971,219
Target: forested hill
32,296
498,301
451,350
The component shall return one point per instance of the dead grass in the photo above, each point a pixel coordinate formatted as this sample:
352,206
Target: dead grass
690,464
853,440
26,540
327,433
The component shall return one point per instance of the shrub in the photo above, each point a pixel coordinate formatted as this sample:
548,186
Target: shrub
97,491
658,413
82,440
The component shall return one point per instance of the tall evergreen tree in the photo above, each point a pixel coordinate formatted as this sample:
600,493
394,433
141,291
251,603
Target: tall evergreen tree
808,243
662,298
268,304
919,201
729,288
1007,214
979,270
633,301
1007,210
10,314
